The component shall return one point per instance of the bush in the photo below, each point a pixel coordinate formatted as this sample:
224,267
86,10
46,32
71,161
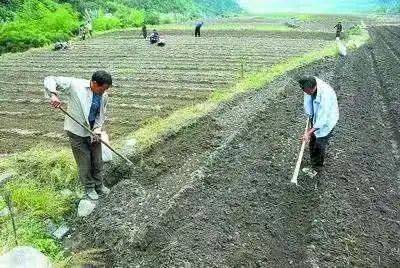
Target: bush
5,14
131,17
167,18
104,23
38,23
152,18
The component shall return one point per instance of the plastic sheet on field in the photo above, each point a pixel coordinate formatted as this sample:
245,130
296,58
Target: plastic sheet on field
105,151
342,47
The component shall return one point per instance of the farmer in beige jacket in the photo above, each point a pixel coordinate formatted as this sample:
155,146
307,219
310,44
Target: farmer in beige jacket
87,101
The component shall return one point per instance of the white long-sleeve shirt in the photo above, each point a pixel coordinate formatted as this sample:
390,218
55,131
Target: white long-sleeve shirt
323,109
79,102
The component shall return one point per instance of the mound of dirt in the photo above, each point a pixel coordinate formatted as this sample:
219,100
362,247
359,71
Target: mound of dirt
218,193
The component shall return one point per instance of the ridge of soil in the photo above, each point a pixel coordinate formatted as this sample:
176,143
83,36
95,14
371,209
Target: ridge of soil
218,194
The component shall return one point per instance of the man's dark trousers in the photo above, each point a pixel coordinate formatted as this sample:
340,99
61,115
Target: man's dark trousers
318,149
88,157
197,32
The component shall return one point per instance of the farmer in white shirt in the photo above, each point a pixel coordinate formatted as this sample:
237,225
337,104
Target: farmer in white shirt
320,104
87,101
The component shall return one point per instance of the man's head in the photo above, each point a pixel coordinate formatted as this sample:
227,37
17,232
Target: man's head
101,81
154,30
308,84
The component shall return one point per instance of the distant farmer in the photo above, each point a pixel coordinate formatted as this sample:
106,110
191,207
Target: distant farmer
89,28
320,104
198,28
144,31
61,46
82,32
87,102
154,37
339,29
292,23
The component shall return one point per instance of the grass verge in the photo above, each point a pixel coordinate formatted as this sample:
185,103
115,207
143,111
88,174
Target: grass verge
40,174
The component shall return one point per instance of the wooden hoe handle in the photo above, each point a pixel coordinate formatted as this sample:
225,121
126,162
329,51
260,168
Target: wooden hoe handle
300,158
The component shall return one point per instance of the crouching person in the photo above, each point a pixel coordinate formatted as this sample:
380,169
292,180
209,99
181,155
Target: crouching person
320,104
87,101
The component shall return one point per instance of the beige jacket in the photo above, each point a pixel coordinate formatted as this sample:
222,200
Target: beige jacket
79,102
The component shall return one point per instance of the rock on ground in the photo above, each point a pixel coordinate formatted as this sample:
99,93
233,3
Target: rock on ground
24,257
85,207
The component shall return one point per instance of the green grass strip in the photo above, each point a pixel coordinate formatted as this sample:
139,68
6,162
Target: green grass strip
227,27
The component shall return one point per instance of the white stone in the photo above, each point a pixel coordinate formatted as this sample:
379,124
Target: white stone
51,226
61,232
4,212
85,207
24,257
5,177
309,172
342,48
67,192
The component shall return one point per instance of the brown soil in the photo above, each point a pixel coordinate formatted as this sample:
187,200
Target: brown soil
218,193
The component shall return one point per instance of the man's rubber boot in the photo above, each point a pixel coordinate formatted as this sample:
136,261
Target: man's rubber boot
91,194
102,190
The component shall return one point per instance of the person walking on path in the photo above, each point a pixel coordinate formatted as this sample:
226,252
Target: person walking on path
339,29
321,106
82,32
144,31
87,102
198,28
89,28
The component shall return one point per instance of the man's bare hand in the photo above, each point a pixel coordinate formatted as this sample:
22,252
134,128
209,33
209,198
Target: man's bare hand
307,137
96,138
55,101
97,135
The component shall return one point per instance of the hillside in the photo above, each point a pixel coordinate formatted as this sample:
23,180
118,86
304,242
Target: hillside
9,8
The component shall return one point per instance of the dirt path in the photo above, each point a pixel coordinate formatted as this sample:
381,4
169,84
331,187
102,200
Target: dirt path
217,194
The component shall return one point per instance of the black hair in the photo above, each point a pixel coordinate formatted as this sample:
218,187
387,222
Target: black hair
102,78
307,82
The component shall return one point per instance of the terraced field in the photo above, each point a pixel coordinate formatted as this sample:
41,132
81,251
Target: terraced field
218,194
149,82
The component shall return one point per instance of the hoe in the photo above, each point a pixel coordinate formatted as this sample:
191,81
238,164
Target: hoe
91,133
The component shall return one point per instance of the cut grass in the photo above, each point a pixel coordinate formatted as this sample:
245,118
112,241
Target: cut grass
357,37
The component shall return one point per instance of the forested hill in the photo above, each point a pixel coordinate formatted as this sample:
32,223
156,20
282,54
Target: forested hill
189,8
34,23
